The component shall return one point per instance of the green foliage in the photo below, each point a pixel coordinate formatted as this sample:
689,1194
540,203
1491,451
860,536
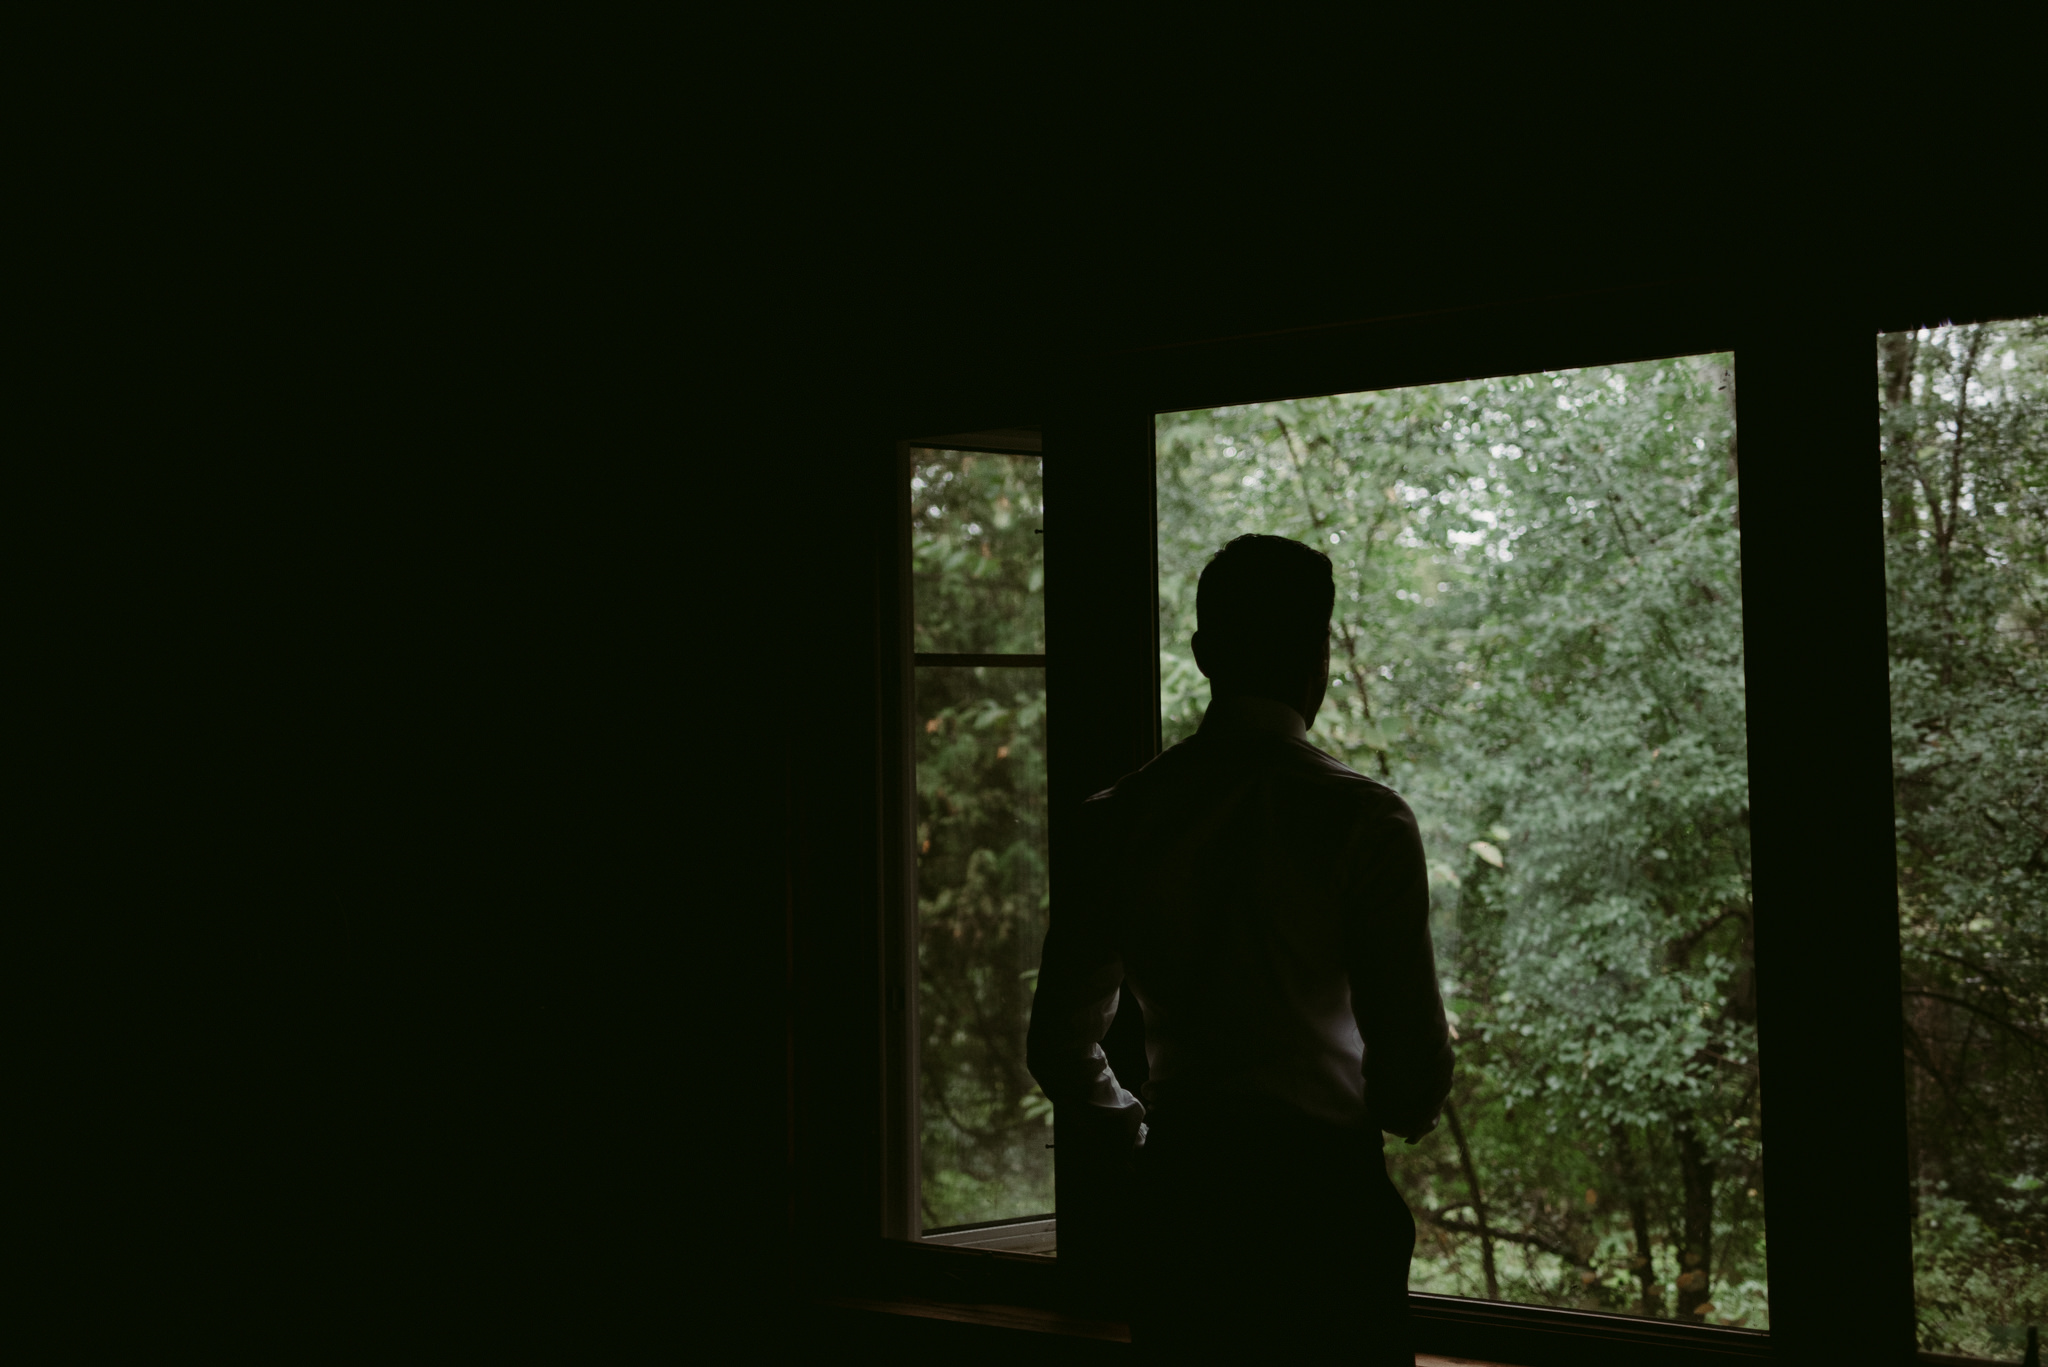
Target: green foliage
981,830
977,561
1965,451
1978,1282
1538,641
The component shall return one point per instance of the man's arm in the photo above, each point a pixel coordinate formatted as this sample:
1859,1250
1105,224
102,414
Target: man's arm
1079,982
1393,978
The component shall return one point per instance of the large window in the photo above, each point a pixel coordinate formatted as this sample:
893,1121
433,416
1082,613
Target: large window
1538,642
1620,698
1965,460
978,633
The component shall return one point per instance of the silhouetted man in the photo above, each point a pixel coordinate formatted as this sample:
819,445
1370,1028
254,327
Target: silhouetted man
1269,909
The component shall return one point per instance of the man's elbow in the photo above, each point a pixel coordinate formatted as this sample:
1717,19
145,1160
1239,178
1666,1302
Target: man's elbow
1050,1066
1036,1064
1407,1101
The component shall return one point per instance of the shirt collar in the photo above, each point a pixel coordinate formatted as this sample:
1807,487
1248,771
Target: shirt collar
1245,713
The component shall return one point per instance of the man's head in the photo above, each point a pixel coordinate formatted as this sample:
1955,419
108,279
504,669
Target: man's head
1263,609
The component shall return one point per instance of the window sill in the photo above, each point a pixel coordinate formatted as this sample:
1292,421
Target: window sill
1571,1342
1536,1335
1015,1317
1022,1292
990,1316
1038,1236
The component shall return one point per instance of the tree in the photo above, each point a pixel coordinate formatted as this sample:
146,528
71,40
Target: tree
1965,470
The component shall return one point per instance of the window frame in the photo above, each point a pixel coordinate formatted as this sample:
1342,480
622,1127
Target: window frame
903,1166
1840,1241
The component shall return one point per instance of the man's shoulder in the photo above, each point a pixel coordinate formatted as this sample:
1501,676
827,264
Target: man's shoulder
1333,780
1297,763
1175,763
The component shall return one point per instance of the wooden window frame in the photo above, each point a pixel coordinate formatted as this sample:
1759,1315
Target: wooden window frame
1840,1250
902,1174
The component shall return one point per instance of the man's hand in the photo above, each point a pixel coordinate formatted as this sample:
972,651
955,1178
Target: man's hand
1408,1128
1101,1128
1422,1133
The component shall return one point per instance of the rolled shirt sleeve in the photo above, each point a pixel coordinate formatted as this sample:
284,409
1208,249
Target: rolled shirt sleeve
1080,978
1394,994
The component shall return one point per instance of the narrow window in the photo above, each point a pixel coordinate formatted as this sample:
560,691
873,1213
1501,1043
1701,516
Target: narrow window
1964,440
978,733
1538,643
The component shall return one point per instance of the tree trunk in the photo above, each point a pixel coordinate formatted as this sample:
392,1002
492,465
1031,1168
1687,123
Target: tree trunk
1947,528
1695,1279
1897,355
1357,676
1639,1219
1478,1202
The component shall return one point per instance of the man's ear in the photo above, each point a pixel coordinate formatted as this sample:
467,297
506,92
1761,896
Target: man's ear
1195,644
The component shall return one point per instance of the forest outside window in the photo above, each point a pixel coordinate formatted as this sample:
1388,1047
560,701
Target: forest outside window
1538,642
985,1173
1964,442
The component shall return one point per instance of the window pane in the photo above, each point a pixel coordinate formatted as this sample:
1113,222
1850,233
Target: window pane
1537,642
1965,450
981,906
977,561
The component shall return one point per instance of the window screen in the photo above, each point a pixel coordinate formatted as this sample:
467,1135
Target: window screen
1537,642
978,624
1965,457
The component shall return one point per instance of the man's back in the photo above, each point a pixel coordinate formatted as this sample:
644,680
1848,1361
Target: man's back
1268,908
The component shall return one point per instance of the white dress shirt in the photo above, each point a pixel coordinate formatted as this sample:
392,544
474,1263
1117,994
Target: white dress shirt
1269,908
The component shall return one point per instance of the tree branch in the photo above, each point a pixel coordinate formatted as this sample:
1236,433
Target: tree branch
1300,476
1962,962
1536,1241
1681,949
1478,1202
1976,1010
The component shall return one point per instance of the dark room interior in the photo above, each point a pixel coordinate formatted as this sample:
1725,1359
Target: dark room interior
557,713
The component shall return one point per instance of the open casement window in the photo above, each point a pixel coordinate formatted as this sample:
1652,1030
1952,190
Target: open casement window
976,1169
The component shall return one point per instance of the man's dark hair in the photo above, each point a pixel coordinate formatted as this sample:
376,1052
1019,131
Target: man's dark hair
1263,602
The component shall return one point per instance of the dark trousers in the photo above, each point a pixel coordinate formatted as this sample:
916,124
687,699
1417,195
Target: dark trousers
1269,1236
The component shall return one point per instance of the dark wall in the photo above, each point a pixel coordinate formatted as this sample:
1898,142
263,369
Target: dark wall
535,639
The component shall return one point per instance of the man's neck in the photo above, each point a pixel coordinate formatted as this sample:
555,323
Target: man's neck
1221,692
1255,712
